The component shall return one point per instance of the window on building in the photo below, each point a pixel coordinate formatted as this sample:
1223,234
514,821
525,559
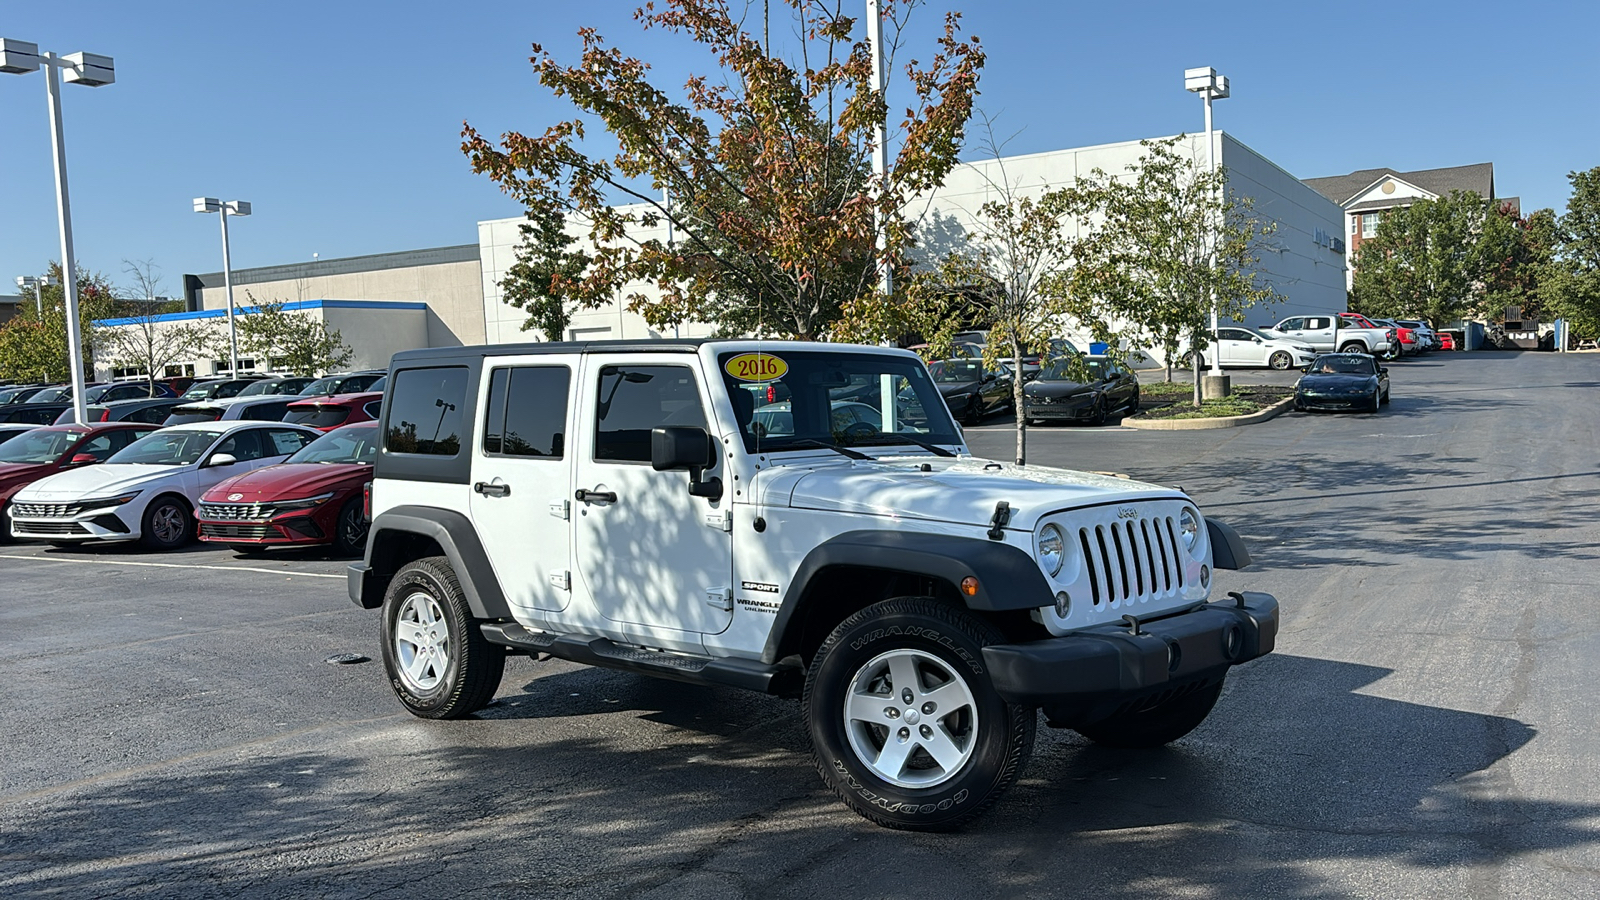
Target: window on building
1355,225
1369,224
527,413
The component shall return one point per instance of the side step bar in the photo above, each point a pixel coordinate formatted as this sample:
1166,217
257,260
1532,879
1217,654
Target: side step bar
747,674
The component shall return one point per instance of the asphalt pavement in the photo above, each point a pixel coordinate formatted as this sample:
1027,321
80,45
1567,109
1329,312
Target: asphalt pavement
173,726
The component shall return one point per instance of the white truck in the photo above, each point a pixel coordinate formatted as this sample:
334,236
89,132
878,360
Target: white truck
627,504
1329,333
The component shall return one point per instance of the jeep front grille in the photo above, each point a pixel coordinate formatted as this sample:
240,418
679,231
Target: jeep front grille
1131,560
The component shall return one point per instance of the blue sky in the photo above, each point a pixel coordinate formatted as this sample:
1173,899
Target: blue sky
340,120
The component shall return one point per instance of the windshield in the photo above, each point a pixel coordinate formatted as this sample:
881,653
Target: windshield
16,395
357,444
289,386
318,416
836,398
1343,365
955,371
322,387
167,448
38,446
1078,370
52,395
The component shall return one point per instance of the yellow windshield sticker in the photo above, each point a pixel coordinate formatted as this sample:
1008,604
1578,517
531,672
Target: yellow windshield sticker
756,367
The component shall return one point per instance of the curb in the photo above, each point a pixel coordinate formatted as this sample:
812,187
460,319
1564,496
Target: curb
1271,412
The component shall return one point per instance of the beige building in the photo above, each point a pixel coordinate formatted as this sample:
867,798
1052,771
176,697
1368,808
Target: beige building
446,279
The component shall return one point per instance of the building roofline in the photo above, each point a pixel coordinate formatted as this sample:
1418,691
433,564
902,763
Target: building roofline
347,265
296,306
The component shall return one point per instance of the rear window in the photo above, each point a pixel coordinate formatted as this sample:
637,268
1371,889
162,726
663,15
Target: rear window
183,415
425,411
318,416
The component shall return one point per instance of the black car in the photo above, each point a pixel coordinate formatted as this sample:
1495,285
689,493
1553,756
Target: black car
1343,381
1090,389
33,413
218,389
279,386
969,390
151,410
19,393
127,390
61,393
348,383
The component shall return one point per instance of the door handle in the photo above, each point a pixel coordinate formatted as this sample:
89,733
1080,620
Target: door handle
583,496
492,490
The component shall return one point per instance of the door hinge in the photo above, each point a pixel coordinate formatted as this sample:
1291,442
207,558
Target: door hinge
561,580
722,521
719,598
561,509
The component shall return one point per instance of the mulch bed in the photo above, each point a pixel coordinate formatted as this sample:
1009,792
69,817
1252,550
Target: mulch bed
1244,400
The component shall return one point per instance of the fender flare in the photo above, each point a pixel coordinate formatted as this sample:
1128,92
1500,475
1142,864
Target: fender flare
458,540
1008,578
1227,547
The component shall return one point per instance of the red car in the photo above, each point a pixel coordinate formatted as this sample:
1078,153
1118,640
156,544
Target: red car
1447,341
328,413
38,452
315,497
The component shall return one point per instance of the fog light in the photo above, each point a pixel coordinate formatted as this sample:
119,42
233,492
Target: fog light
969,586
1063,604
1205,576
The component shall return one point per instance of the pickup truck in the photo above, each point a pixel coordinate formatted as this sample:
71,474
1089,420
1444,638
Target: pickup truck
1330,333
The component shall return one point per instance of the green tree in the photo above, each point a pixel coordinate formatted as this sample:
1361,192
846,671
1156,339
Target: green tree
1572,283
33,344
1437,260
544,280
289,340
765,162
1162,241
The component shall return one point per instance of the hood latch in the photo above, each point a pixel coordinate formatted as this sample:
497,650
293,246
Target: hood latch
1002,515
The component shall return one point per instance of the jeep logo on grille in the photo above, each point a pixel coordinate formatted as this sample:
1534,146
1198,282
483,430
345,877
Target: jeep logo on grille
1127,512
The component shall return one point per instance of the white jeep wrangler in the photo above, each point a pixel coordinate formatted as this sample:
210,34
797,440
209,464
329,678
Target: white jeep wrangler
799,519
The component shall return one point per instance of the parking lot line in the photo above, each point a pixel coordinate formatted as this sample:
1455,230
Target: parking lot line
127,562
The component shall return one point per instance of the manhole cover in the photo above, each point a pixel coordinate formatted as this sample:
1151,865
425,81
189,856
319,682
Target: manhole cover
346,659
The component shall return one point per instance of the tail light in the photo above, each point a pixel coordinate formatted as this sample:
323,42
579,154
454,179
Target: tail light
105,415
366,500
772,393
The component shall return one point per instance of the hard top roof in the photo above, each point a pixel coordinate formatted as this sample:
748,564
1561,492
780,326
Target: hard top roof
644,345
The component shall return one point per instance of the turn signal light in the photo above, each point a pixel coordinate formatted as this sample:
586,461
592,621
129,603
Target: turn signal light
969,586
366,501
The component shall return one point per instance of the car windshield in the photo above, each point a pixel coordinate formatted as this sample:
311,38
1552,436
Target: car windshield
357,444
1342,365
200,391
260,388
16,395
38,446
322,387
835,398
167,448
955,371
1078,370
52,395
318,416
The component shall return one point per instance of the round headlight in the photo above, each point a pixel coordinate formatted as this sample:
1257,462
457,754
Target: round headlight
1052,549
1189,529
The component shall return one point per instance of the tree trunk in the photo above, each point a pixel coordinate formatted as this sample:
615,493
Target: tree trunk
1016,401
1195,358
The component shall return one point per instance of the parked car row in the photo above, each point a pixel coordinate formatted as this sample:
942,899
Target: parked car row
240,471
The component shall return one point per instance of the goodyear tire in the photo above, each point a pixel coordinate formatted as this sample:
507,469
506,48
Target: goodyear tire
1153,726
438,662
905,726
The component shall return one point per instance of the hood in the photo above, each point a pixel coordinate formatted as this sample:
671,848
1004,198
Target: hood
1335,382
15,475
289,482
962,490
106,479
1055,388
956,388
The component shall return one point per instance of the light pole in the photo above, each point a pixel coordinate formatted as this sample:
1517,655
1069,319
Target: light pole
20,58
37,285
1208,84
226,209
880,141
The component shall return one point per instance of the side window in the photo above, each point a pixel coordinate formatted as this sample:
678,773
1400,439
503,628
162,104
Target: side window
1318,323
285,441
124,437
373,409
154,415
266,412
426,414
243,445
527,412
98,447
635,399
1291,324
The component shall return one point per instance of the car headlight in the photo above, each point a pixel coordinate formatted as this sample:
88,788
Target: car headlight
99,502
307,503
1052,549
1189,529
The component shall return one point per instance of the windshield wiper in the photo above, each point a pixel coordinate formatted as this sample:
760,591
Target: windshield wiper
807,442
897,437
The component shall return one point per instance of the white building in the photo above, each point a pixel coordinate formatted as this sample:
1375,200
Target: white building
1306,264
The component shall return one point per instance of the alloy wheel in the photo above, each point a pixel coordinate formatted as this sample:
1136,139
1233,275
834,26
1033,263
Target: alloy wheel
421,642
911,718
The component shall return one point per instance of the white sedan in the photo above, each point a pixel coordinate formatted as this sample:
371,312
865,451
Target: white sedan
1248,347
147,491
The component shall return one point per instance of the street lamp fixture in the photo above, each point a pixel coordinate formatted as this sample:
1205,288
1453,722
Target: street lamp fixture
37,285
226,208
1208,84
91,70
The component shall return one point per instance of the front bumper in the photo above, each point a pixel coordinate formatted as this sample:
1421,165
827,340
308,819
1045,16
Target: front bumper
296,530
1339,401
1071,409
1088,675
101,524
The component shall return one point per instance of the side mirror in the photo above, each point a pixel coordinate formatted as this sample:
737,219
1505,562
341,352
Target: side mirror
1383,370
677,448
221,459
83,459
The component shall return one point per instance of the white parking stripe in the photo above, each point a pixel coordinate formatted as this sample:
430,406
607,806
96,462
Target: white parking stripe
125,562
